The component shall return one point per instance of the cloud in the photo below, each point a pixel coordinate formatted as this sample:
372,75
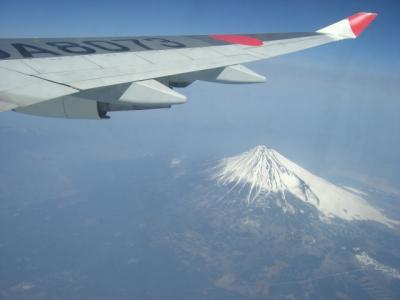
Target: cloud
175,162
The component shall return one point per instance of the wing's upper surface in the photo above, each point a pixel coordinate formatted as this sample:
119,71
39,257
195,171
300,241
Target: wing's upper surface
37,70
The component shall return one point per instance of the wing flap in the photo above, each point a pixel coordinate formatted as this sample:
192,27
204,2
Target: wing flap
18,90
160,66
89,79
61,64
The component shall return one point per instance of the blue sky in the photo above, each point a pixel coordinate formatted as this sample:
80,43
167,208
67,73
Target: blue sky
333,109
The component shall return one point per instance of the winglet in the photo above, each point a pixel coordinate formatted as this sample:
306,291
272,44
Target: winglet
360,21
351,27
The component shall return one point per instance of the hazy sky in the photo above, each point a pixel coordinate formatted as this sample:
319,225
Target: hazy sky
333,109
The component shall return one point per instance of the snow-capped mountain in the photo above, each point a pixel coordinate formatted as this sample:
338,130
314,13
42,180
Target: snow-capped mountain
262,172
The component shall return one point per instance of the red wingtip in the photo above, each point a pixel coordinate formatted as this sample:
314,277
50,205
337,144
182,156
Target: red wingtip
360,21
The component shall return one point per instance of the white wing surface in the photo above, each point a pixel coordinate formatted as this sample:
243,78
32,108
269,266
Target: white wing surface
89,77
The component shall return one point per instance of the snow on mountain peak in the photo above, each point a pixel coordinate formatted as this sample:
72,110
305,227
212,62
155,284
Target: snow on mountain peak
262,171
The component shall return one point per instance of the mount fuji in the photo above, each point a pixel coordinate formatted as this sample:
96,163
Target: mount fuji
265,176
264,227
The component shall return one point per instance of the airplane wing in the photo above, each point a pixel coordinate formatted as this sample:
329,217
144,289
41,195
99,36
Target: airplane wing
89,77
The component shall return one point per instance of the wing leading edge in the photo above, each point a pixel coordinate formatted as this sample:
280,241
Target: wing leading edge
139,73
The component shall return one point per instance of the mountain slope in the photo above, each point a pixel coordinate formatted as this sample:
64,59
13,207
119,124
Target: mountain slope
263,172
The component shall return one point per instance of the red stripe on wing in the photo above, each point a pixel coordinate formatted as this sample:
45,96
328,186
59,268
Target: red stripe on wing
237,39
